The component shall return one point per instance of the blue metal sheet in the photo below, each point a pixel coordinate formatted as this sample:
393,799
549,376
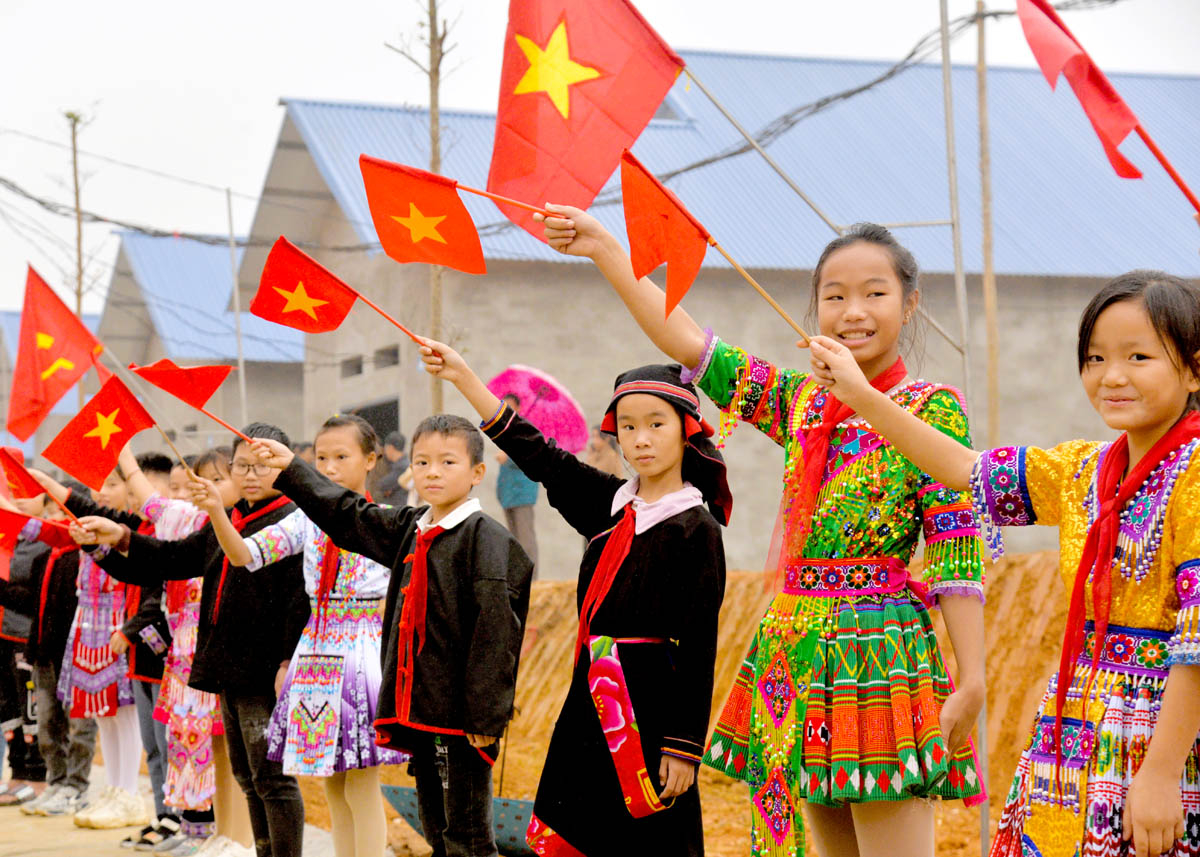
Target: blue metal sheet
1059,208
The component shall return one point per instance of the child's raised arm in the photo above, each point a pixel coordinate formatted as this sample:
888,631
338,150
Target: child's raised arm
577,233
446,364
139,486
939,455
207,498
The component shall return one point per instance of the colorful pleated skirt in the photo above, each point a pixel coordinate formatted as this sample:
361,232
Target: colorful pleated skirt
94,682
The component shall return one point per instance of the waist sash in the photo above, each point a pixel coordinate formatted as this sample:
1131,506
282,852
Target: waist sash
851,578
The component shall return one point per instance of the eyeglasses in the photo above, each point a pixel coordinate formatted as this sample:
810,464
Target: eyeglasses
241,468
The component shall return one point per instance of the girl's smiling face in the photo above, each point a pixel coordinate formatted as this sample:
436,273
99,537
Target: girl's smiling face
861,304
1134,381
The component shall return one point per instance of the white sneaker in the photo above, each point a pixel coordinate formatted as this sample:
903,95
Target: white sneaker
216,845
99,799
30,807
121,810
61,802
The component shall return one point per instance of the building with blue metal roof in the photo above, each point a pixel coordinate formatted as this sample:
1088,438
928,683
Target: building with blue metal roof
1064,224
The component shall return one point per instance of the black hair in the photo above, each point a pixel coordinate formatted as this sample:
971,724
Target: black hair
904,263
72,485
154,462
455,426
263,430
302,446
1173,307
395,440
368,440
218,457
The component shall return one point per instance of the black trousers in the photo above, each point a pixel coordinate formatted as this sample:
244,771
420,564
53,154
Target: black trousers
276,809
454,795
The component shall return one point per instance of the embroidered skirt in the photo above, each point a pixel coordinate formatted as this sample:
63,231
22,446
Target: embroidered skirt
93,681
191,716
838,701
323,722
1079,810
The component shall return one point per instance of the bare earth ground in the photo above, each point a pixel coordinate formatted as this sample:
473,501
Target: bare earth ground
1024,617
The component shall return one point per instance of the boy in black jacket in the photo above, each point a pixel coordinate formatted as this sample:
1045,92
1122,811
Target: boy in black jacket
453,621
249,625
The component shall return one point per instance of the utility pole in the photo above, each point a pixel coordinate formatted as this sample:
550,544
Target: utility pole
437,37
989,273
237,308
75,119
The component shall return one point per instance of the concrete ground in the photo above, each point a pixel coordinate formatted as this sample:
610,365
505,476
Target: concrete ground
32,836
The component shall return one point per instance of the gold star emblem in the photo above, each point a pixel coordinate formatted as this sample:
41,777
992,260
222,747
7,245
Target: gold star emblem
106,427
44,340
298,300
420,226
551,69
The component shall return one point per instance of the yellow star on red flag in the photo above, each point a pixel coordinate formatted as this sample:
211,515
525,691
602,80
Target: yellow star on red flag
298,300
420,226
551,69
106,427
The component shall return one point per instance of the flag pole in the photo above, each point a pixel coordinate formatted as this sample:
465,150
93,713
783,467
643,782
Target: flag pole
379,310
749,279
178,454
495,197
1162,159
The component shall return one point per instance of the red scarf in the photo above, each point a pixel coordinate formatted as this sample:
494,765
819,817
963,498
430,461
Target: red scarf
240,522
1113,493
615,550
816,447
331,560
412,620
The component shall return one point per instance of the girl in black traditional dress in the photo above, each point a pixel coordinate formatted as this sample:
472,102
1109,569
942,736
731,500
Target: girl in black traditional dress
650,588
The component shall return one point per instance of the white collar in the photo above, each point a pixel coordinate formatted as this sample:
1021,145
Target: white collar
452,520
649,514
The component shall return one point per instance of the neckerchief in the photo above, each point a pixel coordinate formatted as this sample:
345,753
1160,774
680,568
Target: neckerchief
614,553
412,620
240,522
331,558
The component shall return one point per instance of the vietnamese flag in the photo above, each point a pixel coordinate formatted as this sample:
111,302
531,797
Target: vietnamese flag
660,230
194,385
1057,50
18,481
55,351
296,290
580,80
52,533
419,217
88,445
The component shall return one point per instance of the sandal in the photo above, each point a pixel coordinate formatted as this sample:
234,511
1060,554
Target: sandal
15,797
133,839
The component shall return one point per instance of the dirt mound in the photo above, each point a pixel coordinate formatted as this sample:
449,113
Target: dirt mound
1023,619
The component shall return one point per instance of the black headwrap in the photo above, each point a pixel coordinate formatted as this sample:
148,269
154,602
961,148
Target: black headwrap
703,465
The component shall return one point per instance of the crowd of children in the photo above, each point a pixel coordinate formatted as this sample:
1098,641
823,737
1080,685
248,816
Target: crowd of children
252,615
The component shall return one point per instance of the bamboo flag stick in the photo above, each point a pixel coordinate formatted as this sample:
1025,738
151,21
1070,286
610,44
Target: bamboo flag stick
749,279
191,474
495,197
379,310
1162,159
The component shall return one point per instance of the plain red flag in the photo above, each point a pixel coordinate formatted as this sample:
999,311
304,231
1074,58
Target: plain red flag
580,80
419,217
194,384
1057,50
89,444
55,351
660,230
296,290
18,481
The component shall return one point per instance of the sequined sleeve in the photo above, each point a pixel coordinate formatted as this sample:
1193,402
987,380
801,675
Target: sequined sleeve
953,547
282,539
748,388
1016,486
173,519
1184,645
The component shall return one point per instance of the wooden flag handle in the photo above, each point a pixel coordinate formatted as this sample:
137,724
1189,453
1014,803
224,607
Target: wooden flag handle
63,506
379,310
191,474
495,197
1162,159
749,279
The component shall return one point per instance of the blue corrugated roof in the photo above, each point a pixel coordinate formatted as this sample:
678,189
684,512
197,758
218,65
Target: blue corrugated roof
1059,209
184,284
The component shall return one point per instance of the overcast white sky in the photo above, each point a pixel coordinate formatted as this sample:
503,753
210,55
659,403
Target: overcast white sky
193,89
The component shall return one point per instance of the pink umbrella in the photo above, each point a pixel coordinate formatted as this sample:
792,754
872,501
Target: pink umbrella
546,403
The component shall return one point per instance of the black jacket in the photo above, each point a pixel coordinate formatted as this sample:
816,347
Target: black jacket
18,594
260,616
145,627
466,673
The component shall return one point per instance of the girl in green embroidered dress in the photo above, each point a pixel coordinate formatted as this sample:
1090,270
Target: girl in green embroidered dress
843,701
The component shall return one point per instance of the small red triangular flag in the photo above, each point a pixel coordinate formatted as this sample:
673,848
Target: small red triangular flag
193,384
296,290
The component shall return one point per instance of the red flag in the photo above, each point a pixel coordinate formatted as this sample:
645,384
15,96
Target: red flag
1057,50
296,290
19,482
194,385
102,371
55,351
88,445
580,80
11,523
419,217
660,230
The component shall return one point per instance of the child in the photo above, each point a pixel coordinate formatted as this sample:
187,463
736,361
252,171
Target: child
249,625
651,582
452,622
843,701
517,494
322,724
1114,751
